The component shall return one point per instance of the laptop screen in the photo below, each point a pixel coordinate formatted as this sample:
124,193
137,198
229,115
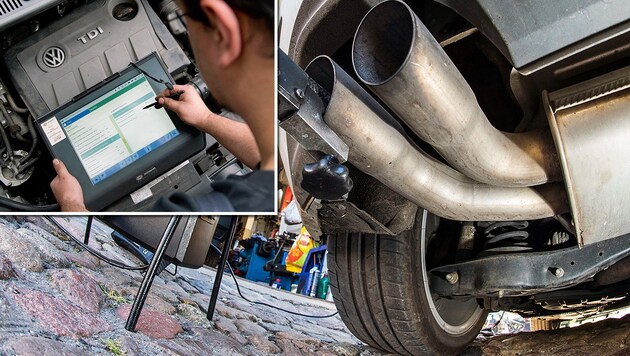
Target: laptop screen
113,131
110,143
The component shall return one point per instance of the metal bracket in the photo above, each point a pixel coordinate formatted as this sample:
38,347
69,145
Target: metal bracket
301,107
528,273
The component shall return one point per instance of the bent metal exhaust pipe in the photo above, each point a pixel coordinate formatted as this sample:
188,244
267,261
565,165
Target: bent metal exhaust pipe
379,148
396,56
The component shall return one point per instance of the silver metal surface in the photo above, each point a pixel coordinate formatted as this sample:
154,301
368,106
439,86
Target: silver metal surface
14,11
590,122
186,236
380,150
309,129
53,57
396,56
301,107
10,175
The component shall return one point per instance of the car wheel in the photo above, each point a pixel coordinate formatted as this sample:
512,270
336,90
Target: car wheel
380,287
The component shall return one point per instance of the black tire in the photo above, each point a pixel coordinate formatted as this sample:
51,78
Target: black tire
378,286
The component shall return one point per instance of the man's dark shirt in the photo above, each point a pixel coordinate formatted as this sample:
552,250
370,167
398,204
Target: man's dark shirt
253,192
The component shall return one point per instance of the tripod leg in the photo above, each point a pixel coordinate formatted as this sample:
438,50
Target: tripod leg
220,270
88,229
147,281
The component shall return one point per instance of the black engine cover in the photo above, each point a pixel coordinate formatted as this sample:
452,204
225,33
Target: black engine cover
80,50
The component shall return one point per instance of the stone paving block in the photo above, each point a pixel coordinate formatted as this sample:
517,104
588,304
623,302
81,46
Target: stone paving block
202,301
42,346
232,313
225,325
6,268
122,277
344,349
164,293
19,251
203,287
219,344
46,233
57,315
183,347
129,346
159,304
291,335
288,348
262,343
78,289
239,338
270,315
609,337
83,259
193,314
275,327
48,253
152,323
176,288
249,328
186,286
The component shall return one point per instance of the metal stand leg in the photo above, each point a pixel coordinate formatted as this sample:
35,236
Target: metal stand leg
147,281
221,269
88,229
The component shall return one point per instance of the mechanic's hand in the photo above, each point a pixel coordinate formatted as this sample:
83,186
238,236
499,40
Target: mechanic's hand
67,189
190,107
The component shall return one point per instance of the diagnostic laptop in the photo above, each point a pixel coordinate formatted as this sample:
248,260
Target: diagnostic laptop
110,142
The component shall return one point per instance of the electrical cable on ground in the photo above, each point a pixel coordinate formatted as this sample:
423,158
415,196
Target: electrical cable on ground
96,254
265,304
144,267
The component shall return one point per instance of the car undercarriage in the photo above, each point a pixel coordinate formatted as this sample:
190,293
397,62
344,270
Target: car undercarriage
462,158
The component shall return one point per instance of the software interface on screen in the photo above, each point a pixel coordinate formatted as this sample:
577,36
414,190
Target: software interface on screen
114,131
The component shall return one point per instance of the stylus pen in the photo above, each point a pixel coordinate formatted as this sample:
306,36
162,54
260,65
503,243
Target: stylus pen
172,96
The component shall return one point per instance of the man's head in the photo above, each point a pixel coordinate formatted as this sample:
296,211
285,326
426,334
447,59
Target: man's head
256,9
229,39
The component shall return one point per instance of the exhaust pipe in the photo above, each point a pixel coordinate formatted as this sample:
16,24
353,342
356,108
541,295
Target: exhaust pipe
380,149
396,56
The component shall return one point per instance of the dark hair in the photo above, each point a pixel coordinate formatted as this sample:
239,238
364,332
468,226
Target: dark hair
257,9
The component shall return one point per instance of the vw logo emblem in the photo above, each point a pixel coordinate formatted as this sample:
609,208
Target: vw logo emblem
54,57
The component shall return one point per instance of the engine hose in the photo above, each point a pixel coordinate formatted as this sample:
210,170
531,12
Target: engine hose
5,140
28,165
14,105
31,129
17,206
11,123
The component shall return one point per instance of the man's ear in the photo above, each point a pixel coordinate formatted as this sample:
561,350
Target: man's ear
227,30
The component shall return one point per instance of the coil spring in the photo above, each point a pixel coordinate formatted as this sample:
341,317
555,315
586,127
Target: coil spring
506,236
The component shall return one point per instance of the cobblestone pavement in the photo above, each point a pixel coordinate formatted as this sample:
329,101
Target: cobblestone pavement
56,299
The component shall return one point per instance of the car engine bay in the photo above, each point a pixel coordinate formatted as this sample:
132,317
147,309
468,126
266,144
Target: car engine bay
52,51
